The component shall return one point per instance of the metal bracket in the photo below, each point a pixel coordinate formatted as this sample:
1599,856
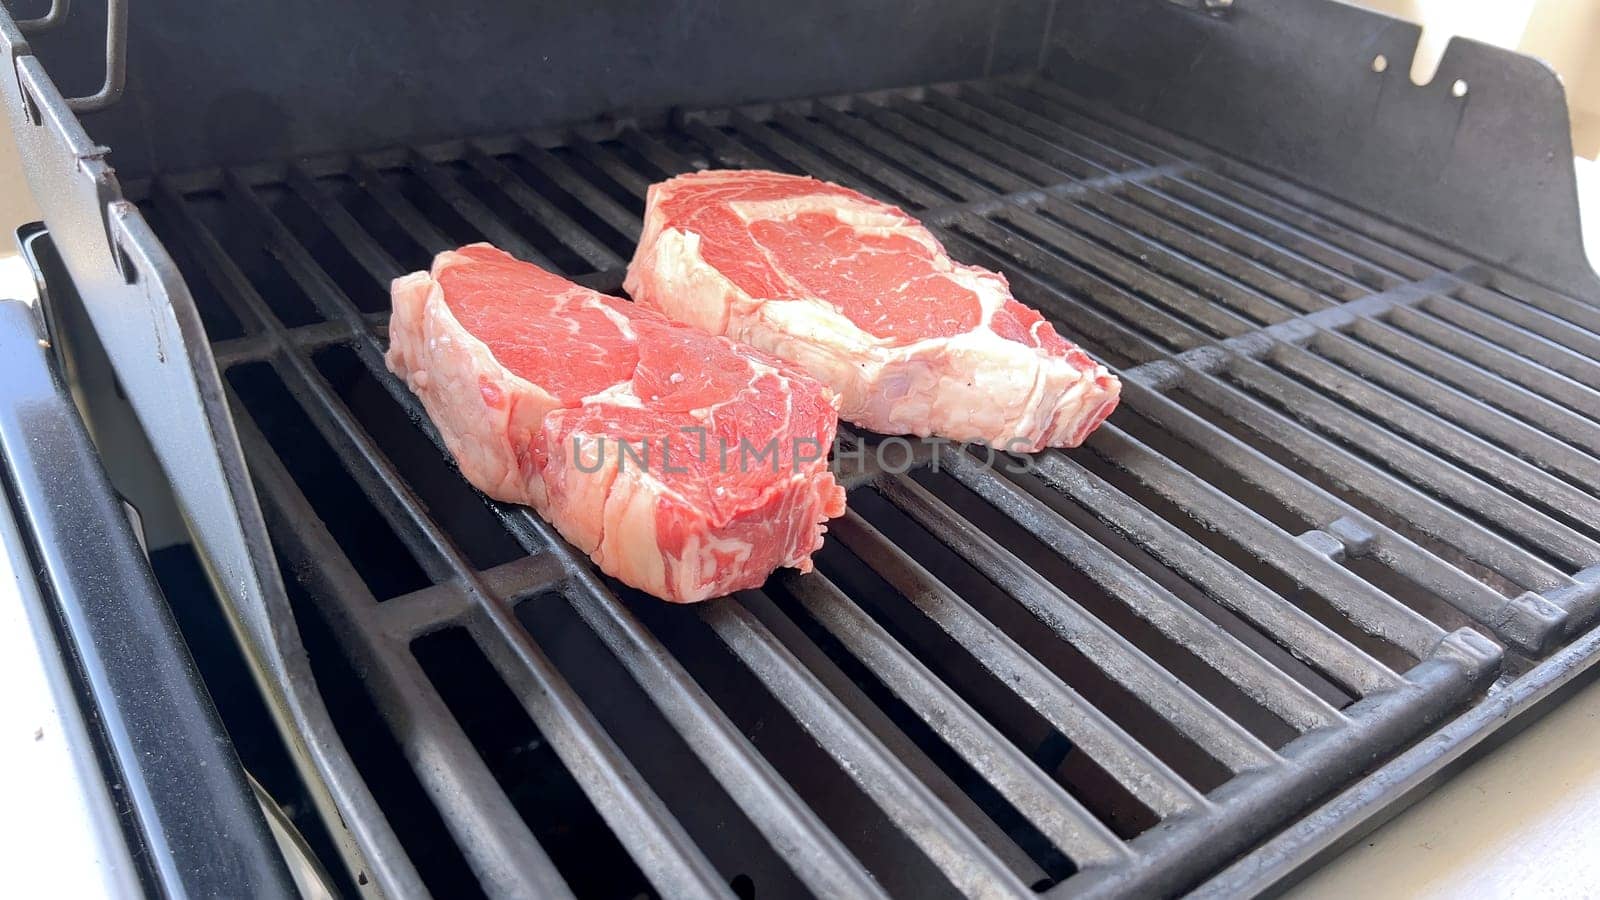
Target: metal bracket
116,51
88,158
58,12
141,310
116,61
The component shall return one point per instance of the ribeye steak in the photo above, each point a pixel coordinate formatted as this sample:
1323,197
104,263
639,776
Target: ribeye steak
865,298
684,464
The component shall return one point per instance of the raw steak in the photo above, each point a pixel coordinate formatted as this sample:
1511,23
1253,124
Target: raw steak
536,383
862,296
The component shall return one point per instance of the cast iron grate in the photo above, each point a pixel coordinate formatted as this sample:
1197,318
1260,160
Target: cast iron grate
1354,472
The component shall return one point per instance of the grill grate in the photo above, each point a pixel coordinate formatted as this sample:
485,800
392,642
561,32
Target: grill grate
1347,458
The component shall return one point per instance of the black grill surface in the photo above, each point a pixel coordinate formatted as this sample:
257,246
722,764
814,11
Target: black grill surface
1353,480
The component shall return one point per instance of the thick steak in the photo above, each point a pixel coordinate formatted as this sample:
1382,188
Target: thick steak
862,296
620,427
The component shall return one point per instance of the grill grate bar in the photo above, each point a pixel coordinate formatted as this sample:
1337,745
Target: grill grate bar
1395,265
976,110
252,347
793,829
1040,170
997,179
1518,293
1138,770
1217,319
804,842
1332,515
1056,814
1493,332
495,841
1087,138
1308,256
1194,716
1315,260
1360,235
668,160
1101,191
581,189
1202,256
1288,699
842,148
653,151
406,215
1344,219
727,149
1189,267
369,253
611,165
1046,198
1196,258
795,832
1313,762
1369,609
1076,284
1529,319
1325,511
1222,232
1003,113
1488,548
908,156
1104,332
504,854
474,212
546,213
1439,477
971,867
1451,423
636,815
1401,334
804,158
1527,622
426,610
1293,628
813,852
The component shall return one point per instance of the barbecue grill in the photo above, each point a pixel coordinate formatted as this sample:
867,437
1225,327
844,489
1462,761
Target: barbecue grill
1343,531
